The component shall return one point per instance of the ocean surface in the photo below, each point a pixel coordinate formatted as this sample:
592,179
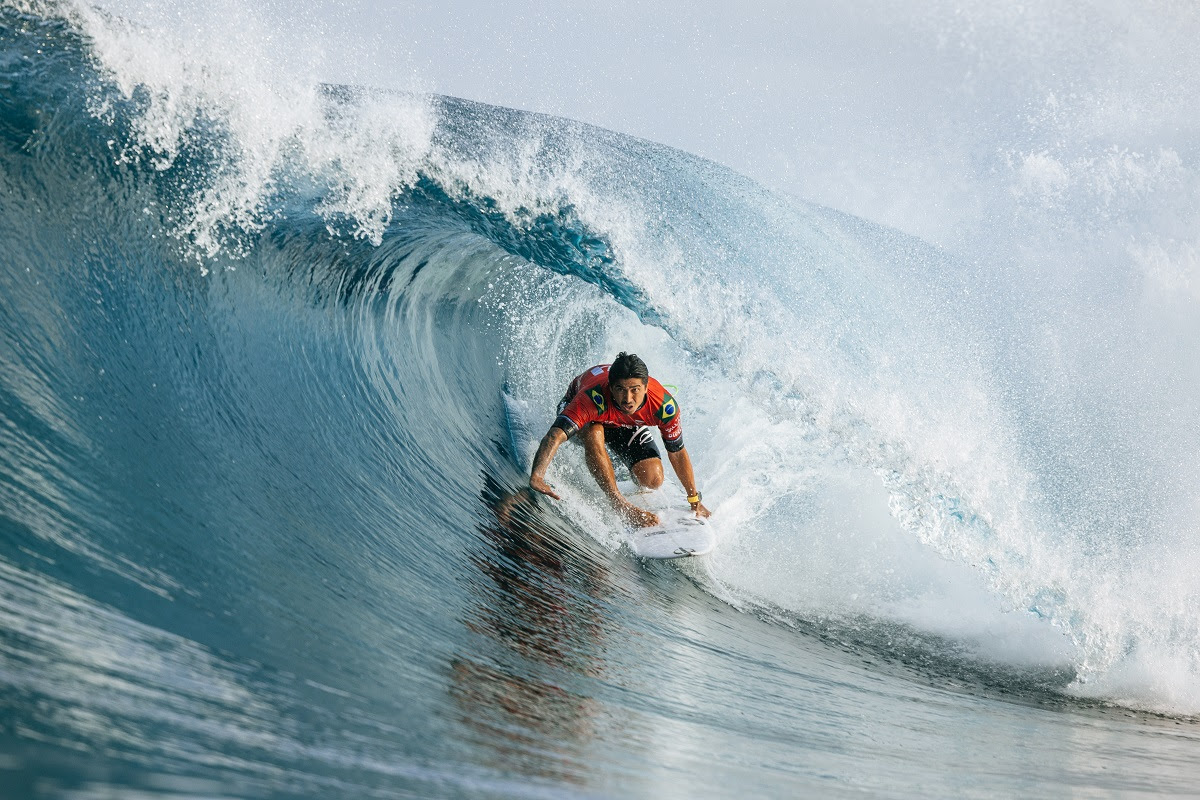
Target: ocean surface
262,532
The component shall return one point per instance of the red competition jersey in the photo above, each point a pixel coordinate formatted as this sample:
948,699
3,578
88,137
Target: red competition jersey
588,399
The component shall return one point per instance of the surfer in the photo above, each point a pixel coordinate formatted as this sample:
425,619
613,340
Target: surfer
613,406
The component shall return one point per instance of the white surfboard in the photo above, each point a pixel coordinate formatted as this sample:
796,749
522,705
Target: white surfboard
675,538
679,534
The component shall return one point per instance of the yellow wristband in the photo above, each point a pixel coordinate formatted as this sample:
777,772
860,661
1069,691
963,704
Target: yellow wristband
694,498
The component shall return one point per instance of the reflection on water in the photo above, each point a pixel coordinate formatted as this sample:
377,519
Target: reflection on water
544,630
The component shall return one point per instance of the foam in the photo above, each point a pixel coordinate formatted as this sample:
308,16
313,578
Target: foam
223,67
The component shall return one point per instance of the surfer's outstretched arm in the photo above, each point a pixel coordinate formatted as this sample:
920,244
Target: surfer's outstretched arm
600,465
681,462
541,461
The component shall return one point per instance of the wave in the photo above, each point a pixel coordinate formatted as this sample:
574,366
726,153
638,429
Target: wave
254,330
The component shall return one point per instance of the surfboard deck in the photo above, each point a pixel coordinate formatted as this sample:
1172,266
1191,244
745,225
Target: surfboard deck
681,538
679,534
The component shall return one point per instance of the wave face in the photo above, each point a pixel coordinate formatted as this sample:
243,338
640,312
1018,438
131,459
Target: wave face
256,528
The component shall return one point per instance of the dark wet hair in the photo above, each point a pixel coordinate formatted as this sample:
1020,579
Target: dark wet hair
628,365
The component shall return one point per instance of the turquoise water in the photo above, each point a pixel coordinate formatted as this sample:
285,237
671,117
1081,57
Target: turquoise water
253,459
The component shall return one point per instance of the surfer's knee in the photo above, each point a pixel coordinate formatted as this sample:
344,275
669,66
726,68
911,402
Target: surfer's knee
648,473
653,482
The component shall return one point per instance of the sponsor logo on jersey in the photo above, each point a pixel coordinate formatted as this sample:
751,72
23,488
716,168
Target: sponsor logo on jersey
597,398
597,370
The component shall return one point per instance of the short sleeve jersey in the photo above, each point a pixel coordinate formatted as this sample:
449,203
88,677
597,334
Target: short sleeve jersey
588,399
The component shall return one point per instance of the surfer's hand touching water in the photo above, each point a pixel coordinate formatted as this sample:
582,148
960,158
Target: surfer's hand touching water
538,484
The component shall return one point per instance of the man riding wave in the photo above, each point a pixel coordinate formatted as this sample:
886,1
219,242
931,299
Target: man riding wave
613,407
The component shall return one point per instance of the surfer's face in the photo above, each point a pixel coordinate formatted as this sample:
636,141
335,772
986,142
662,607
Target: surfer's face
628,394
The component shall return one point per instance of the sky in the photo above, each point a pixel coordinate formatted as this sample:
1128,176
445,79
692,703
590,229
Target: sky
927,116
781,92
888,109
813,99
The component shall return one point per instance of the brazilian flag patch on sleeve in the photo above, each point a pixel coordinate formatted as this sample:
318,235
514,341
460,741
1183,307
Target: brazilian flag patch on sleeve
597,398
669,409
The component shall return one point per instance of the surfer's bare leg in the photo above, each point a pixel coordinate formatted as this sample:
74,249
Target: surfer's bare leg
648,473
600,465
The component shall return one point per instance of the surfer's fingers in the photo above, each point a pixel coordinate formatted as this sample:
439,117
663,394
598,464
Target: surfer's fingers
546,490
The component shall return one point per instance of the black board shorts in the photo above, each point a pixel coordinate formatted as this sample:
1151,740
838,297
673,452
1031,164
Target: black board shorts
631,445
